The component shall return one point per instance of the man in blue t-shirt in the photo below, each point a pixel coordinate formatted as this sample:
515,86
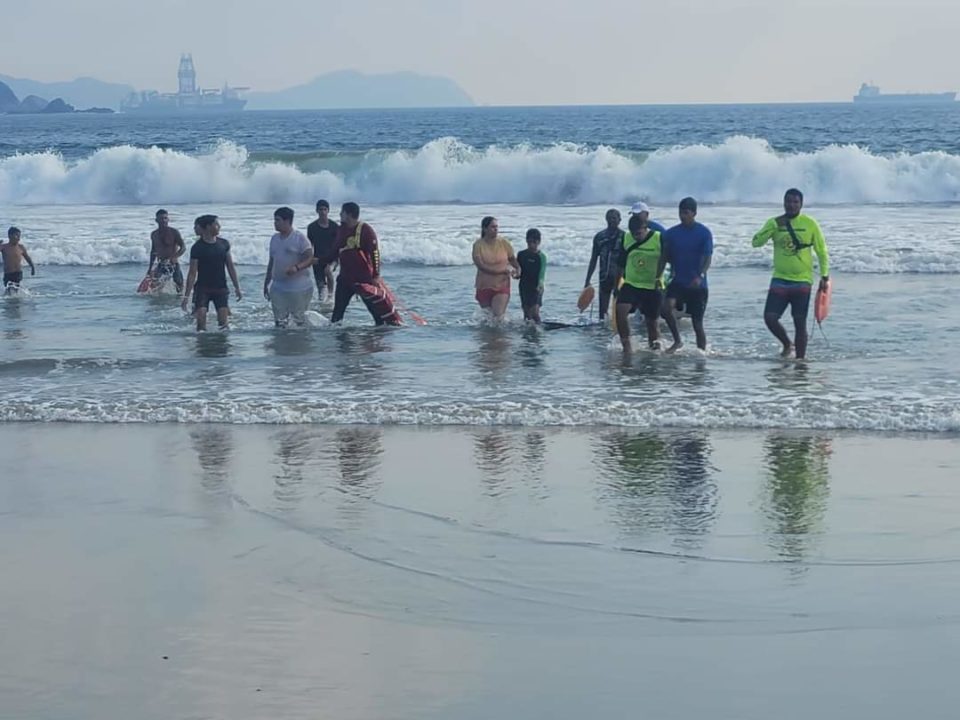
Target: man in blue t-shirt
689,249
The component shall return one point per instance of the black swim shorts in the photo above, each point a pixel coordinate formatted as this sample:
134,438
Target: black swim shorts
691,299
202,297
646,301
530,296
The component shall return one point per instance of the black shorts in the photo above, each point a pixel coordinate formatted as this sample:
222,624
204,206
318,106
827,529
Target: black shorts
530,296
320,272
202,297
691,299
785,292
647,302
13,277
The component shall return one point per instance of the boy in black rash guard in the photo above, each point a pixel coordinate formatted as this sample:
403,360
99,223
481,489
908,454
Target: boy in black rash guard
533,268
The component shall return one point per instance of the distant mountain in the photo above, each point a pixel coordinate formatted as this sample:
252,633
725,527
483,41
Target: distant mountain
32,104
57,105
352,89
8,98
82,92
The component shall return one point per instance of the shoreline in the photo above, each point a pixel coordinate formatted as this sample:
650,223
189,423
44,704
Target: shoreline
947,435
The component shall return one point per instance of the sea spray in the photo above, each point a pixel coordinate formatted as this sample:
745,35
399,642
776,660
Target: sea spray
740,170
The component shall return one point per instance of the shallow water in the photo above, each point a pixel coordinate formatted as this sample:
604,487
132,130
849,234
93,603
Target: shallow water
83,347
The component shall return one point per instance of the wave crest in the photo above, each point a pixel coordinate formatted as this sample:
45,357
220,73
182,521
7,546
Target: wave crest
739,170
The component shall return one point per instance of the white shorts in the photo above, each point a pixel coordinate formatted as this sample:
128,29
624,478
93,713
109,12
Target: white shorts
286,304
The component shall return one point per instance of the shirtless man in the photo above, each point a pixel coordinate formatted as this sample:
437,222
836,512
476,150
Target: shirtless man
13,256
166,247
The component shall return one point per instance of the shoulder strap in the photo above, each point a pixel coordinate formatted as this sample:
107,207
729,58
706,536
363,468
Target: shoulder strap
638,243
797,245
353,242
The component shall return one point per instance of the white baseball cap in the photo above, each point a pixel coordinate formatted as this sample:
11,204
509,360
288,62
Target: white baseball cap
639,207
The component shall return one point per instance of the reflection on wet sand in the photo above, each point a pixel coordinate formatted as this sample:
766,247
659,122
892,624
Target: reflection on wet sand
360,457
509,458
798,486
534,454
214,447
659,482
294,449
493,454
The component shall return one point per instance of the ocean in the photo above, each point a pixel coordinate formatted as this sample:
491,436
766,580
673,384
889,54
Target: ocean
883,182
463,519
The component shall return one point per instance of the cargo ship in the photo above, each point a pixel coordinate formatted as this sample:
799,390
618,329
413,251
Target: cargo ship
871,94
188,99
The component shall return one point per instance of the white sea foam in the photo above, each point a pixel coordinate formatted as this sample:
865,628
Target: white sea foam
916,416
869,239
739,170
91,212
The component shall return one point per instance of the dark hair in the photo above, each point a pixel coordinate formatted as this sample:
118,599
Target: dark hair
351,209
485,223
323,203
205,221
533,234
284,213
688,203
635,222
160,212
794,193
13,231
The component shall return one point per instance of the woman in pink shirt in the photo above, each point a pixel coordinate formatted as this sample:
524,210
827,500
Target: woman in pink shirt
496,265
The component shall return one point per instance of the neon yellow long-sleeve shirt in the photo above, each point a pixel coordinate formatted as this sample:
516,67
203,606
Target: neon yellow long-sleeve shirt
789,262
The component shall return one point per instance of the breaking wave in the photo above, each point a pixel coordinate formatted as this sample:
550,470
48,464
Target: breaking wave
739,170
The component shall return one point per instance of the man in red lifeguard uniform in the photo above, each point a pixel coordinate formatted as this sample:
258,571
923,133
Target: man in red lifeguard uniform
358,251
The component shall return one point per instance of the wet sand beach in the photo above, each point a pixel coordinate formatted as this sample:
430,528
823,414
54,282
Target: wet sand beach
225,571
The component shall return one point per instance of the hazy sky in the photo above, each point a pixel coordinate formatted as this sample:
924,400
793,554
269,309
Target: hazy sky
503,51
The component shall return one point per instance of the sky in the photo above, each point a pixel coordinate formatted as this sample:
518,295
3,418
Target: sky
503,52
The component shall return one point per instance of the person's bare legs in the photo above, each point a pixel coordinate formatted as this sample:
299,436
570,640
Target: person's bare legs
605,293
623,324
498,305
668,307
653,330
223,317
201,315
328,271
700,332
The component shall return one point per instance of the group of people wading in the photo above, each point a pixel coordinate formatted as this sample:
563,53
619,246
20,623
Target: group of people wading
350,245
633,269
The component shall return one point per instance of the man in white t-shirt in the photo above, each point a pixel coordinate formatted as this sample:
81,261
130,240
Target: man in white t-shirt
288,284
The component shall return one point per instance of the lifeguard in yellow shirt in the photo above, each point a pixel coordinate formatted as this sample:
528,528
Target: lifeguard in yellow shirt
796,238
